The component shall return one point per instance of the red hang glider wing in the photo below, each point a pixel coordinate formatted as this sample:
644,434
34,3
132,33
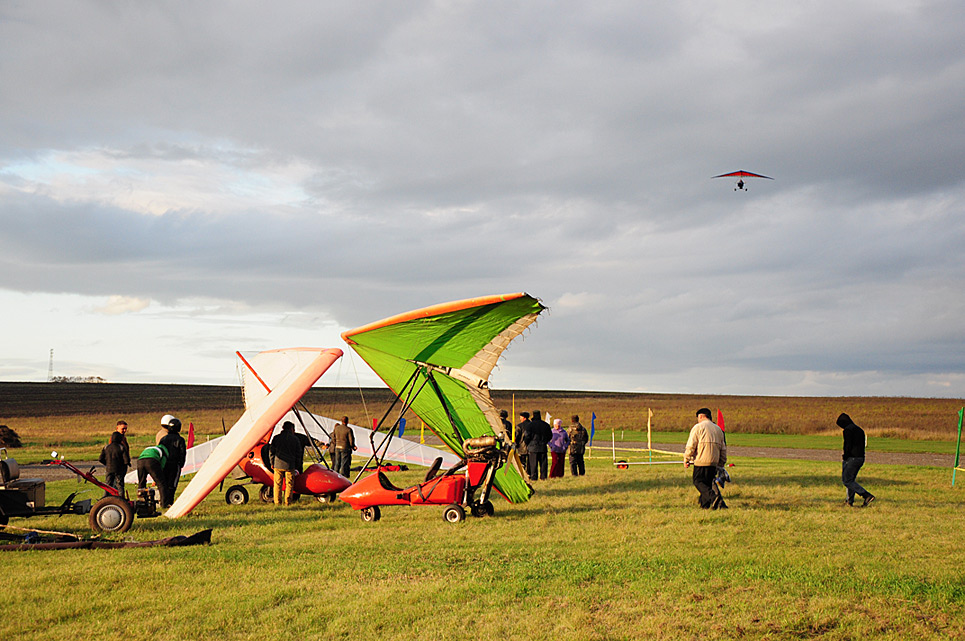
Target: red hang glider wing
742,174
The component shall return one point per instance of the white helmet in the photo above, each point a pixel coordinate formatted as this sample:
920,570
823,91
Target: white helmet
166,420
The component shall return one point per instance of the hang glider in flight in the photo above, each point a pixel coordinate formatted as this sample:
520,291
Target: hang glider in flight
740,174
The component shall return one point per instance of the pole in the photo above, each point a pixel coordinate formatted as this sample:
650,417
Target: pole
649,444
513,419
958,445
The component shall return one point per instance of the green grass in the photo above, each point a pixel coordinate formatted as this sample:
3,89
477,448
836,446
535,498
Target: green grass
618,554
87,447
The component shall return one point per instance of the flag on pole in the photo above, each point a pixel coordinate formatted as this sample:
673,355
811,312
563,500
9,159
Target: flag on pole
401,426
190,442
720,420
649,419
592,427
422,433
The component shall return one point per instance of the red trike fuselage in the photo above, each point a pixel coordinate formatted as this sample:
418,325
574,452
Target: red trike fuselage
376,489
315,480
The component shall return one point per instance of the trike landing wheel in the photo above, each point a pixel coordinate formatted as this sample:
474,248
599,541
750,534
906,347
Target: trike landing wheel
265,494
454,514
326,498
236,495
482,509
111,514
371,514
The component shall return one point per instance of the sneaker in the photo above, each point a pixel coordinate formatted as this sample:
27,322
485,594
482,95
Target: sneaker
867,500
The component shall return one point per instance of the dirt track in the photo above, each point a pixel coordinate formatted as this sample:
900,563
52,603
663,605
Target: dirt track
880,458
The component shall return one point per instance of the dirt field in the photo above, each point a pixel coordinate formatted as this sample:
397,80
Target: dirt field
907,418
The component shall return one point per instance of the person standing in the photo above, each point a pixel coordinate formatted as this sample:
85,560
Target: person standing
507,426
112,457
152,461
559,442
287,456
536,438
343,439
121,428
177,454
852,460
578,440
706,450
521,428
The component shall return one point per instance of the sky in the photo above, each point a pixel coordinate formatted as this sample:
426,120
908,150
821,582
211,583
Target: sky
182,180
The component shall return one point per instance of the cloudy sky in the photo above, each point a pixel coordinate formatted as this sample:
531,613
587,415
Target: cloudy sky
182,180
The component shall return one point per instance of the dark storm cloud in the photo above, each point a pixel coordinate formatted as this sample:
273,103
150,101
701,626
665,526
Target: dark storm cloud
565,149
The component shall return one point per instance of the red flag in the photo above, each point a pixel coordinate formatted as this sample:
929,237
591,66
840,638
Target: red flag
190,435
720,420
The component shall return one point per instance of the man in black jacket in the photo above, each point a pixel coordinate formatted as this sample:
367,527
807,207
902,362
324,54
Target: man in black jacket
287,455
177,453
853,459
536,438
521,429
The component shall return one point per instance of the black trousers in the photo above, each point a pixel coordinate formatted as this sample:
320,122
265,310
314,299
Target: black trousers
537,465
704,482
116,481
152,466
577,467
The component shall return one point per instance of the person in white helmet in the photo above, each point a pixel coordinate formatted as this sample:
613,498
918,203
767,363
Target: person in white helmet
177,452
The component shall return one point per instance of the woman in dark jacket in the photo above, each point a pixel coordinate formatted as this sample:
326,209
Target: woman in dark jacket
112,456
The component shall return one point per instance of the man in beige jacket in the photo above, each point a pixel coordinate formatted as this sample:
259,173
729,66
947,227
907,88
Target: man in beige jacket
706,450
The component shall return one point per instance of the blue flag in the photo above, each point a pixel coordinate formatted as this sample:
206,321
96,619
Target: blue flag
592,427
401,426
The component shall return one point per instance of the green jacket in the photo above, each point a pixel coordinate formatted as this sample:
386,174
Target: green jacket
157,452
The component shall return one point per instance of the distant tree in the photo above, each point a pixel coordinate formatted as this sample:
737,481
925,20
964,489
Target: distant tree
77,379
9,438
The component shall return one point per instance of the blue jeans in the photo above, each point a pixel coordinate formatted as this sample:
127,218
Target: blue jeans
849,472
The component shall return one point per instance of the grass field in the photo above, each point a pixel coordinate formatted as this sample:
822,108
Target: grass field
617,554
612,555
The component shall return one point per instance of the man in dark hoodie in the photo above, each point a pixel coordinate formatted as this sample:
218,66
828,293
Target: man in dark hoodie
853,459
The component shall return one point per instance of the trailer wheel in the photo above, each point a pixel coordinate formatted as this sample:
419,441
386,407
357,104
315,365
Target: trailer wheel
265,494
371,514
622,465
454,514
111,514
236,495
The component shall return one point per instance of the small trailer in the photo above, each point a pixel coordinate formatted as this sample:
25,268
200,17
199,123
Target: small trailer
21,498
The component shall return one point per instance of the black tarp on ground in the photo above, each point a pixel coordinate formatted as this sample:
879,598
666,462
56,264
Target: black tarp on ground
202,537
